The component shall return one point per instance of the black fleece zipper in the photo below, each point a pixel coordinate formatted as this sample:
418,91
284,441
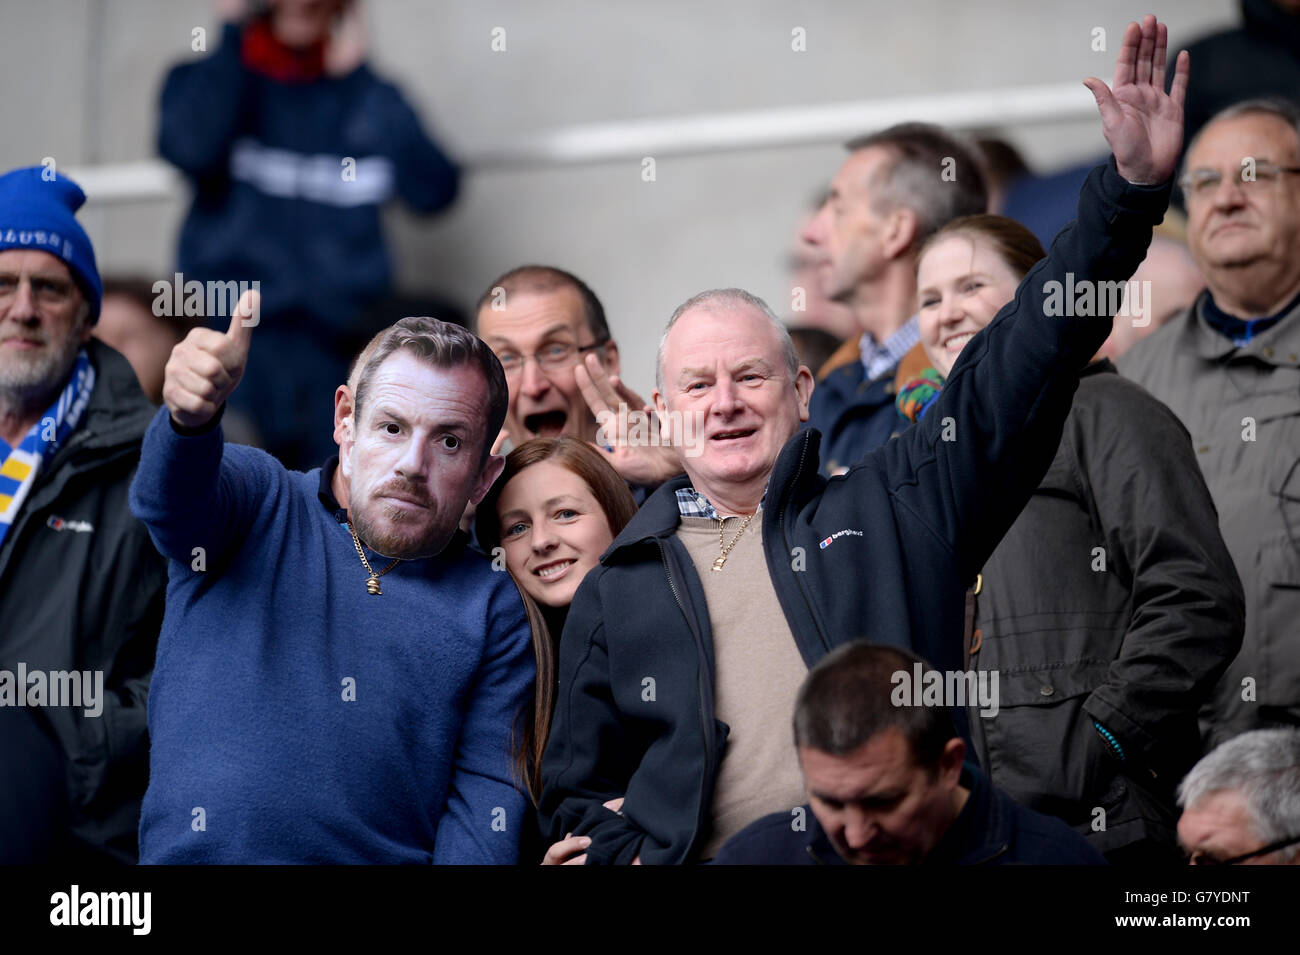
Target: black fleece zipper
785,540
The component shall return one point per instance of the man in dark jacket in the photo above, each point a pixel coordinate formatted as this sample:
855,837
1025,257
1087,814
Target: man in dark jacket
81,586
293,146
886,783
1111,609
646,701
895,188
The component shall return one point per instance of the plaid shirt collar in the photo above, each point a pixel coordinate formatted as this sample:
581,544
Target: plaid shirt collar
691,503
878,360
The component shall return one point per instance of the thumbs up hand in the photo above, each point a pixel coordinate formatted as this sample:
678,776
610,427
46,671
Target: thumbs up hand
206,367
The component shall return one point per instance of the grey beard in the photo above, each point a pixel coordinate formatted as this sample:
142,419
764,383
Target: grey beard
31,386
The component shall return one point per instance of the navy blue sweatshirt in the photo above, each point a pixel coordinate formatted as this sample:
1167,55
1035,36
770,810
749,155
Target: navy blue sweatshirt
273,199
296,718
991,829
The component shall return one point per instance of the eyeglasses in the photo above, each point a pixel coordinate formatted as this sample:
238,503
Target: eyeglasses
557,356
47,291
1203,183
1271,847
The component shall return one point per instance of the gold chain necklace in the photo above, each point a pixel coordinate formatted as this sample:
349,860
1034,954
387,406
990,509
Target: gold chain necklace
372,585
726,548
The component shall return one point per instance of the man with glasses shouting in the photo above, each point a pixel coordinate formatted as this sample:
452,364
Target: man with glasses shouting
1229,367
562,365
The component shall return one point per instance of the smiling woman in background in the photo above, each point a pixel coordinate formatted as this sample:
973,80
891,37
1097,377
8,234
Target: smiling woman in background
1111,607
555,509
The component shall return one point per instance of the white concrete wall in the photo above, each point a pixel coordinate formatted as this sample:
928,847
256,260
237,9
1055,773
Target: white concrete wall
81,80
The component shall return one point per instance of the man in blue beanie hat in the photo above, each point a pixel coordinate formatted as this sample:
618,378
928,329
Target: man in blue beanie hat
81,586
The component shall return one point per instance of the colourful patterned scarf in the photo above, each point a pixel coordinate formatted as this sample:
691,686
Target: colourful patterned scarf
19,466
915,398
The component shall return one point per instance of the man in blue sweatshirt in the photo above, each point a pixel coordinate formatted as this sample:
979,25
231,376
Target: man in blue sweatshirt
337,676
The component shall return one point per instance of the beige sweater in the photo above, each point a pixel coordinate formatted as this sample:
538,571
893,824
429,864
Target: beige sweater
758,670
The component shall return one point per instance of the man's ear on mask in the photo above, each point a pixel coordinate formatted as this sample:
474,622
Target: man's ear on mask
344,423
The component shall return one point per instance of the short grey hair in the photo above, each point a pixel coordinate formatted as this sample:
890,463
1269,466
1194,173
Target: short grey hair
1262,765
1288,111
717,299
915,180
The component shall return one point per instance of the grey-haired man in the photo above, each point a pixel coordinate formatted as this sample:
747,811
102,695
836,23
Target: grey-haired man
1241,803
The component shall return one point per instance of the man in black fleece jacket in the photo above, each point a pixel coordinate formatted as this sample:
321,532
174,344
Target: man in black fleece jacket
647,700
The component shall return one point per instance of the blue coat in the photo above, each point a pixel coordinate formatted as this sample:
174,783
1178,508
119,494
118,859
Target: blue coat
273,200
884,552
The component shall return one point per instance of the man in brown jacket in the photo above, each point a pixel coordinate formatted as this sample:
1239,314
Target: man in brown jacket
1229,367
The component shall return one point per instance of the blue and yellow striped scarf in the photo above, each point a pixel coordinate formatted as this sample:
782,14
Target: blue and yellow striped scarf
20,465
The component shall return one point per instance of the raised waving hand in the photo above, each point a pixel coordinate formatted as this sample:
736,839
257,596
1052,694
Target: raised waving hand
1142,123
